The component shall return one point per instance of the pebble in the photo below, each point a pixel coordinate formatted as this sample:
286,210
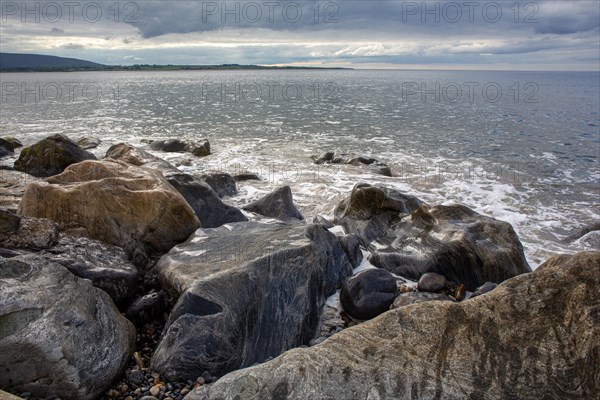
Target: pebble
432,282
155,390
184,391
148,398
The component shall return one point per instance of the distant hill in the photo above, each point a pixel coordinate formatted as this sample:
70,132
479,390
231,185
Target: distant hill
28,62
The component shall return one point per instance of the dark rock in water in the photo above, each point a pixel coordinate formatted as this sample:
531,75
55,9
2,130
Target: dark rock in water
432,282
380,169
579,233
368,293
375,166
31,234
51,156
249,291
371,210
205,202
406,299
223,184
544,324
246,177
351,245
483,289
323,158
10,144
60,335
117,203
169,145
9,223
409,238
277,204
324,222
199,149
147,308
105,265
4,152
88,143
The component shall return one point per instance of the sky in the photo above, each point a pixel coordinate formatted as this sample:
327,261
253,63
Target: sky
464,34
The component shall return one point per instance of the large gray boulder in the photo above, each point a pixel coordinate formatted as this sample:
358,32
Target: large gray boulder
58,334
51,156
409,238
534,337
277,204
247,291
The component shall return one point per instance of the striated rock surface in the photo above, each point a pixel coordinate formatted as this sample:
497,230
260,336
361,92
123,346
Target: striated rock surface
51,156
115,202
277,204
249,291
409,239
205,202
58,334
12,187
534,337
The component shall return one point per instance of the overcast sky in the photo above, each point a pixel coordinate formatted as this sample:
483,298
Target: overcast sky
512,35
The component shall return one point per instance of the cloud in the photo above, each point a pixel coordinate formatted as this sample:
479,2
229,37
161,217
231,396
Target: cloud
56,31
72,46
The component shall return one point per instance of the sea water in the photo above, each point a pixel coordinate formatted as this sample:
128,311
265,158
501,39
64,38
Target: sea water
522,147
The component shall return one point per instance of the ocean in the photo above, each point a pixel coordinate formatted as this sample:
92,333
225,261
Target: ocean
522,147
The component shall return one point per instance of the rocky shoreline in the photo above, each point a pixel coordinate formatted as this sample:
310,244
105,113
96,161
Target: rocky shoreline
125,278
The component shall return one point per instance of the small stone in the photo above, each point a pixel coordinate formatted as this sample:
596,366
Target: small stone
148,398
184,391
124,388
155,375
207,377
432,282
157,380
155,390
128,398
138,391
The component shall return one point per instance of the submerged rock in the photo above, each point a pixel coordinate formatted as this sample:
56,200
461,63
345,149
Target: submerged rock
114,202
247,292
60,335
408,238
51,156
277,204
534,337
199,149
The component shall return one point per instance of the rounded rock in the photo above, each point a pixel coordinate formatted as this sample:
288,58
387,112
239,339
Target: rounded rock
432,282
368,293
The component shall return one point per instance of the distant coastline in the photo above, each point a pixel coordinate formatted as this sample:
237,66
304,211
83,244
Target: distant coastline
146,67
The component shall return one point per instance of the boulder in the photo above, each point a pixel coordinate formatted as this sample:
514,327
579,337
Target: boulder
104,265
27,233
59,335
533,337
277,204
432,282
169,145
409,238
12,187
205,202
88,143
368,293
246,177
247,292
115,202
51,156
351,245
321,220
222,183
10,144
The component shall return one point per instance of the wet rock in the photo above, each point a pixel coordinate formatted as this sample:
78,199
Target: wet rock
405,299
88,143
51,156
373,165
205,202
247,291
246,177
9,144
483,289
30,234
9,223
147,308
351,245
169,145
60,335
277,204
409,238
368,293
579,233
324,222
324,157
222,183
114,202
542,324
432,282
199,149
4,152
